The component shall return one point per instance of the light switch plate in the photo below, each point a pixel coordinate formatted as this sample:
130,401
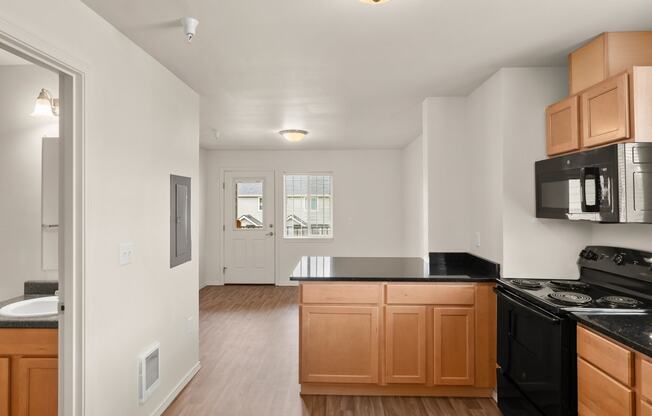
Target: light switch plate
127,253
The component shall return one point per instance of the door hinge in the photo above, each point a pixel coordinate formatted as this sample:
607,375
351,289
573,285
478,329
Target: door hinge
224,270
223,185
223,227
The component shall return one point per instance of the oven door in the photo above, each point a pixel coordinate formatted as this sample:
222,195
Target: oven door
536,357
581,186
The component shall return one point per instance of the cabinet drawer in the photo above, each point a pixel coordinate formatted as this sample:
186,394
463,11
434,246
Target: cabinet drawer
606,355
601,395
645,379
340,293
431,294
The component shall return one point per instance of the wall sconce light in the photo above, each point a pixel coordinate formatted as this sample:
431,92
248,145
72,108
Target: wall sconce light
46,105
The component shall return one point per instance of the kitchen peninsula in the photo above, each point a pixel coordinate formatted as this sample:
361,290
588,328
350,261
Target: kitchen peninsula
397,326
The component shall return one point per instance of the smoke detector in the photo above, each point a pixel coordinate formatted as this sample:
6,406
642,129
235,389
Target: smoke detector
189,27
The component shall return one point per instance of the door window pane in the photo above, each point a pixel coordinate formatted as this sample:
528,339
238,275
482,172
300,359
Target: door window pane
249,205
308,206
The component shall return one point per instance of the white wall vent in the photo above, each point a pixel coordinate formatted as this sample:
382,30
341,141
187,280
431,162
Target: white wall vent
149,372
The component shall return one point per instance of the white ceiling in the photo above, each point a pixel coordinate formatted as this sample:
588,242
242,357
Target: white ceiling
352,74
8,58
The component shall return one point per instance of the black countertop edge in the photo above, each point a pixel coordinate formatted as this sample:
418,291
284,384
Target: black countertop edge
633,331
40,322
429,279
446,263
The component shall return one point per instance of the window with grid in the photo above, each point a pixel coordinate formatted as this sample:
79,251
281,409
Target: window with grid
308,206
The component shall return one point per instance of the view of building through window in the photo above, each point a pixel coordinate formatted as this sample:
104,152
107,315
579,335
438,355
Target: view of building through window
308,206
249,205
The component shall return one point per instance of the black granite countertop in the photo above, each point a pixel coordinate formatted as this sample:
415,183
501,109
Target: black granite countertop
383,269
632,330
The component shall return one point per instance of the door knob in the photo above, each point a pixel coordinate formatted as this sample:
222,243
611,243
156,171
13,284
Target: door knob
269,234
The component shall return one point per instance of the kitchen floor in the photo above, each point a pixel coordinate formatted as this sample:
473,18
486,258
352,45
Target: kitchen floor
249,355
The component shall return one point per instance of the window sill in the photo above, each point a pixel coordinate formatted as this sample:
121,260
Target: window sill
308,240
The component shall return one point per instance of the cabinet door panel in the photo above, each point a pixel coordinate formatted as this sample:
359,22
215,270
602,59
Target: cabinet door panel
605,112
34,389
454,346
4,386
646,408
601,395
406,344
562,123
339,344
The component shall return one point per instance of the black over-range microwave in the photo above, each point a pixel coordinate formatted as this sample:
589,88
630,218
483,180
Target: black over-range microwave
611,184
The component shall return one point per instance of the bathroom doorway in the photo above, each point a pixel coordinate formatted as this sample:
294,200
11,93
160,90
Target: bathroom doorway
41,159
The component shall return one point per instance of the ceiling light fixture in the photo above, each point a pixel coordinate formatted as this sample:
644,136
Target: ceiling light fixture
374,1
46,105
293,135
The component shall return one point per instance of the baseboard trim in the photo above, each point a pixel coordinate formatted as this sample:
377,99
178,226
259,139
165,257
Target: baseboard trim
203,285
213,283
174,393
394,390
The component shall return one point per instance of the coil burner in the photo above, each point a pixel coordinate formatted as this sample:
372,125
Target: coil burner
568,284
527,284
571,298
618,302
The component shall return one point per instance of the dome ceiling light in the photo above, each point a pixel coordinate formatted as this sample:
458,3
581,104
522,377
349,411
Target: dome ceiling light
293,135
374,1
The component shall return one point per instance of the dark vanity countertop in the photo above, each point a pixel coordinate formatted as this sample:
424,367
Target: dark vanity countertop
634,331
41,322
381,269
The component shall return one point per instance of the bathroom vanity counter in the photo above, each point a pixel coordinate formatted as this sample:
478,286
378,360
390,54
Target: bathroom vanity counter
17,322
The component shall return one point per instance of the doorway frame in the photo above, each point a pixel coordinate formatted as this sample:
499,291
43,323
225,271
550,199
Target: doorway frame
72,80
222,228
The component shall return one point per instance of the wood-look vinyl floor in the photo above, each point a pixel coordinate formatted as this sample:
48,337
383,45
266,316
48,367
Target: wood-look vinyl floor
249,357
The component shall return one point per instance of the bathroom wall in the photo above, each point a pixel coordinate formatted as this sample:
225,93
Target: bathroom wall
20,175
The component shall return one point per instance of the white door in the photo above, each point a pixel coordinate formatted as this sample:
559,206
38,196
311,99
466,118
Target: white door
249,228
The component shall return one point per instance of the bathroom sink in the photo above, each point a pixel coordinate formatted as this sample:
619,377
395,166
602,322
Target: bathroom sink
32,308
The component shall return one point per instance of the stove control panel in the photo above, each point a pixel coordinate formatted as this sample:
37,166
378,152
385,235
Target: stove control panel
625,262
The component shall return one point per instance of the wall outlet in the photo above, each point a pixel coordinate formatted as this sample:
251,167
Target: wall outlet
127,253
476,239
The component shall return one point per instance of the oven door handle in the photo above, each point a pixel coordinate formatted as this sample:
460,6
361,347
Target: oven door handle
531,308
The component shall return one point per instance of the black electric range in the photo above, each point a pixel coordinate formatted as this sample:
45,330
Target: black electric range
536,337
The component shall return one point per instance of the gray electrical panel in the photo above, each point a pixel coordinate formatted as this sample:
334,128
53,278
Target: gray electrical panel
180,238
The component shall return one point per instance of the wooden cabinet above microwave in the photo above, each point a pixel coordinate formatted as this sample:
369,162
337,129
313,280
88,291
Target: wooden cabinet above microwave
610,84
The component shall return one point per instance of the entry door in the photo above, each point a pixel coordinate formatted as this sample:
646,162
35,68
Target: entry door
249,228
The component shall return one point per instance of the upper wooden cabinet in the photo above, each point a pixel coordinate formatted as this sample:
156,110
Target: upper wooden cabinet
607,55
562,122
405,344
605,111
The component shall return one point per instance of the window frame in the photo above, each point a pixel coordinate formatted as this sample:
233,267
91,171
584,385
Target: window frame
309,197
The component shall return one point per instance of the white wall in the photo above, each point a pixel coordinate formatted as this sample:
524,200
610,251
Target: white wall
414,200
482,150
20,175
483,160
448,176
141,125
636,236
533,247
367,204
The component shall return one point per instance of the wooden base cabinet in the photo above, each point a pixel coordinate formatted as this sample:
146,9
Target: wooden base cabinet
405,344
28,372
428,339
454,346
612,380
339,344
